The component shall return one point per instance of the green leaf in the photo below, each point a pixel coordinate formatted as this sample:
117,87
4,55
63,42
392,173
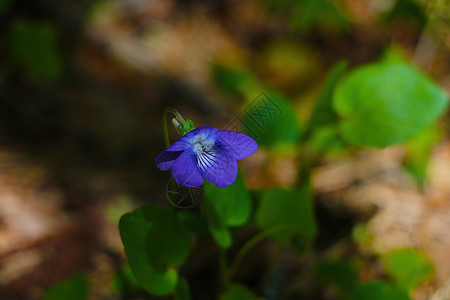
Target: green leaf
386,103
395,54
270,120
75,288
124,282
378,290
343,274
408,267
290,208
238,292
155,242
225,207
217,225
35,46
194,222
232,203
418,151
182,291
323,113
325,141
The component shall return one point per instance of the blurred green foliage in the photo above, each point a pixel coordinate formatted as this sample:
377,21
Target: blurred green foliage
272,130
323,113
418,151
238,292
409,268
194,222
362,235
407,11
124,282
324,14
342,274
74,288
377,290
309,14
35,47
4,5
289,210
182,291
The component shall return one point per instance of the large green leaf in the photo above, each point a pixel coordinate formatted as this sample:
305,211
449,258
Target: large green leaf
386,103
232,203
195,222
217,225
224,207
289,210
75,288
378,290
408,267
238,292
35,46
155,242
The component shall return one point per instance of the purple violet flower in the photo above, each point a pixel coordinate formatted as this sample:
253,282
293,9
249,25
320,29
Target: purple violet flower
206,152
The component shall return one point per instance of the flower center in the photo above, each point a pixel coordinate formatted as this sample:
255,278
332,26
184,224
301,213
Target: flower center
202,145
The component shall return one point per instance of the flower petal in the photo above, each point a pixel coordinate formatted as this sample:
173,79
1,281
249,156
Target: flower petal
165,160
241,145
179,145
204,132
218,167
185,171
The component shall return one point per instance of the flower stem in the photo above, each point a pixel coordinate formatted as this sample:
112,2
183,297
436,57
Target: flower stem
222,269
251,243
179,119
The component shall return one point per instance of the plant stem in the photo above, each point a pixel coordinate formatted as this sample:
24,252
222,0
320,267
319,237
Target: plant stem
268,273
251,243
178,117
222,268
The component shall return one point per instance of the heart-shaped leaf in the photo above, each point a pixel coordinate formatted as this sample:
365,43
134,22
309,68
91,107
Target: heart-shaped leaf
155,242
386,103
